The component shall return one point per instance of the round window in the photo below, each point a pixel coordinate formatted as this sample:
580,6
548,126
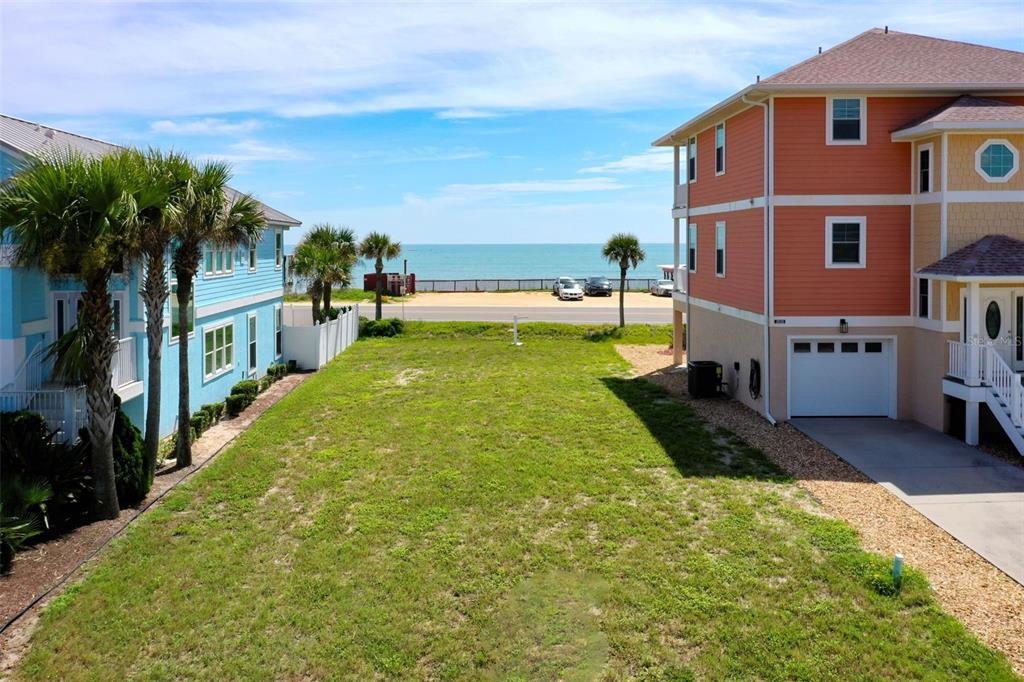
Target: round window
996,160
993,320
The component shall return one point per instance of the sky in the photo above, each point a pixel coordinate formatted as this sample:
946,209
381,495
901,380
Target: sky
436,122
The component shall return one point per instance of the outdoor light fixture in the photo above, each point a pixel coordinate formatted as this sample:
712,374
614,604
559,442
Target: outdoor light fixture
843,327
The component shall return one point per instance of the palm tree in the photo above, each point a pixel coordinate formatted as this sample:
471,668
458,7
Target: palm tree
309,262
379,247
624,249
73,214
343,248
207,213
324,258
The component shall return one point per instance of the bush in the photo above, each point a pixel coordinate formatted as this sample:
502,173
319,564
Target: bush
249,387
131,474
266,382
199,422
214,411
277,371
236,403
331,313
390,327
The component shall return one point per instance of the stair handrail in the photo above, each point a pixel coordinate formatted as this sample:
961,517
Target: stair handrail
1004,382
23,369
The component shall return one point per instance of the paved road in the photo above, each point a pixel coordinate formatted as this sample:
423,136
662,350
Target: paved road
566,312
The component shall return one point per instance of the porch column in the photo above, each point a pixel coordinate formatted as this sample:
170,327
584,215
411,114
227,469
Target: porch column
677,337
971,422
973,339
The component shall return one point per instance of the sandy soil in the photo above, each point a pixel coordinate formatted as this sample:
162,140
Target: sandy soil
634,299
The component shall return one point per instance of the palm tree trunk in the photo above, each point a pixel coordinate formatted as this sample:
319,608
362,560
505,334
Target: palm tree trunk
379,267
154,295
315,292
327,299
622,297
97,319
183,447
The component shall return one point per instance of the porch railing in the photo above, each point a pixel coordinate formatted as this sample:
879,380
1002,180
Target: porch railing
982,364
123,363
64,409
957,366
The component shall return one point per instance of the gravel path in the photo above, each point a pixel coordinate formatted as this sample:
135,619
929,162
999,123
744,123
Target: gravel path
986,600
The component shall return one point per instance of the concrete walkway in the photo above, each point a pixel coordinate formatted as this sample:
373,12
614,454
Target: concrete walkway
975,497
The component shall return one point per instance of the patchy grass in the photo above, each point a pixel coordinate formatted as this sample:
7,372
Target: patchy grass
501,513
346,295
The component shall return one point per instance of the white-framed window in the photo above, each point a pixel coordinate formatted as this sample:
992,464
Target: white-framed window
251,340
846,241
997,160
119,303
278,323
691,248
252,255
846,120
174,313
278,249
924,290
720,148
65,312
925,163
691,160
218,349
219,261
720,249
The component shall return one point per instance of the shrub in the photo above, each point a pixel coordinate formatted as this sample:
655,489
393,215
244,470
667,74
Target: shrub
331,313
266,382
389,327
199,422
131,474
214,411
236,403
249,387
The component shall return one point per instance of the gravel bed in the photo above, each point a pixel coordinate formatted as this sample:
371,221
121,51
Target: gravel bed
987,601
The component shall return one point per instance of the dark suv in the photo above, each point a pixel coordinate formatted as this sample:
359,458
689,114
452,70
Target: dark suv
597,286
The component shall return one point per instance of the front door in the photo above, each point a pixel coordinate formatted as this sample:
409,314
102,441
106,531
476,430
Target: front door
997,323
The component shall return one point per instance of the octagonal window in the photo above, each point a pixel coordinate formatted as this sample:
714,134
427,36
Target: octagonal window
997,160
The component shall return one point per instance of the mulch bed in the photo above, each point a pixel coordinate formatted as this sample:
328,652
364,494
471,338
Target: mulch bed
983,598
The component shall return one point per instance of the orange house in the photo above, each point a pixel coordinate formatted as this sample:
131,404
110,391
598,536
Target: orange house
850,235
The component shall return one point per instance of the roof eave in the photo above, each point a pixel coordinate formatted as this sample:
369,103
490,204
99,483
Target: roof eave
952,88
971,278
668,139
932,127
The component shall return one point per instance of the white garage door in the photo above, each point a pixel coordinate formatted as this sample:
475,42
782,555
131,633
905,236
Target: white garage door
840,378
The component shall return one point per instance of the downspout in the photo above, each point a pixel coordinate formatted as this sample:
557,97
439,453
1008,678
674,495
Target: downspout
766,369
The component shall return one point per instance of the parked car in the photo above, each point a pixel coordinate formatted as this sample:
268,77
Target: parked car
559,282
663,287
597,286
568,289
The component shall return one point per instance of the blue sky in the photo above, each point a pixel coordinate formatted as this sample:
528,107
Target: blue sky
454,122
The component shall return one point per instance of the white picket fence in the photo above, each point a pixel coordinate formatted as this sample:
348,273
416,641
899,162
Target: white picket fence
313,346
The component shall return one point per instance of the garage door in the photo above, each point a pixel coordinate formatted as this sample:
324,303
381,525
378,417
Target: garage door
840,378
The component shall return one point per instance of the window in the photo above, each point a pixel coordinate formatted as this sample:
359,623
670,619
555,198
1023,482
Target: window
65,312
278,248
923,289
278,323
845,242
691,160
252,254
174,313
219,261
849,347
691,248
993,320
252,343
60,318
720,249
997,160
720,149
873,347
802,347
116,326
218,349
846,124
924,168
827,347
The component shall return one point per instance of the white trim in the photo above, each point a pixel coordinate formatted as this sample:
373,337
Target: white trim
995,279
729,310
229,366
726,207
832,321
930,148
36,327
229,263
980,196
129,391
252,254
944,199
691,244
893,365
943,326
279,329
235,303
693,139
278,253
720,225
842,199
863,121
928,295
722,126
252,328
985,145
862,258
932,127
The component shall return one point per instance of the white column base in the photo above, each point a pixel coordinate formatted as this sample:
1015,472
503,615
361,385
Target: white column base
971,422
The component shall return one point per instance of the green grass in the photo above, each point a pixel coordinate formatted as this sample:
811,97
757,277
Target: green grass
345,296
447,506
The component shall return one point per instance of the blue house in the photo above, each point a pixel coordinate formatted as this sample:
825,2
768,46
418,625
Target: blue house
236,320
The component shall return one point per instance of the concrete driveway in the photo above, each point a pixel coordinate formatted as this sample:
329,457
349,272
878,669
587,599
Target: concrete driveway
975,497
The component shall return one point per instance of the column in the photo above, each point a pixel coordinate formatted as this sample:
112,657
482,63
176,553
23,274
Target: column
973,339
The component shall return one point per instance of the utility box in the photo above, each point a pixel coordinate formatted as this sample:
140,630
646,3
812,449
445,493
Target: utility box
704,378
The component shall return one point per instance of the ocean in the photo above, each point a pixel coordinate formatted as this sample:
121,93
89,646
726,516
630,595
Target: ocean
514,261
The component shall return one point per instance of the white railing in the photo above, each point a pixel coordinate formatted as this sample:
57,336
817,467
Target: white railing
1005,383
64,409
123,363
680,279
679,196
957,366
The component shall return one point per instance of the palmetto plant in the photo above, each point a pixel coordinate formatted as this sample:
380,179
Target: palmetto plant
206,213
324,258
379,247
623,249
71,214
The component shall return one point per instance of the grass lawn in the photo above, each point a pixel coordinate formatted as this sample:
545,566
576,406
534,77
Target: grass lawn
345,296
444,505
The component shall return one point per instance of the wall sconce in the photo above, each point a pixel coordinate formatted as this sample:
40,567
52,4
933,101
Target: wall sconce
843,327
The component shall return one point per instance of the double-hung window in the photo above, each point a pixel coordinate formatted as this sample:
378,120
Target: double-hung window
923,289
219,261
720,149
720,249
252,254
924,168
846,242
691,160
278,323
218,349
278,248
191,314
252,343
691,248
847,120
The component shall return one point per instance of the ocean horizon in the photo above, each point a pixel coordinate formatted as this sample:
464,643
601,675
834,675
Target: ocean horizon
513,261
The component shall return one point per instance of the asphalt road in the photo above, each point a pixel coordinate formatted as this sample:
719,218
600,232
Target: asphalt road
566,312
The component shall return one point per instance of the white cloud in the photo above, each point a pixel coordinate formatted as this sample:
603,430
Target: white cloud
247,151
311,59
653,160
462,114
461,193
420,154
204,126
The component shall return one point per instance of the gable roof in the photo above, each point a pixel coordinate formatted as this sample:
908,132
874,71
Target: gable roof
34,139
880,60
965,113
992,256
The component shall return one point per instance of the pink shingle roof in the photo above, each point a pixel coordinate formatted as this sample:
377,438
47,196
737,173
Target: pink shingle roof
994,255
970,109
879,57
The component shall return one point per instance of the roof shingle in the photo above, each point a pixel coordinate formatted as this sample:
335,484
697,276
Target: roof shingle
993,255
